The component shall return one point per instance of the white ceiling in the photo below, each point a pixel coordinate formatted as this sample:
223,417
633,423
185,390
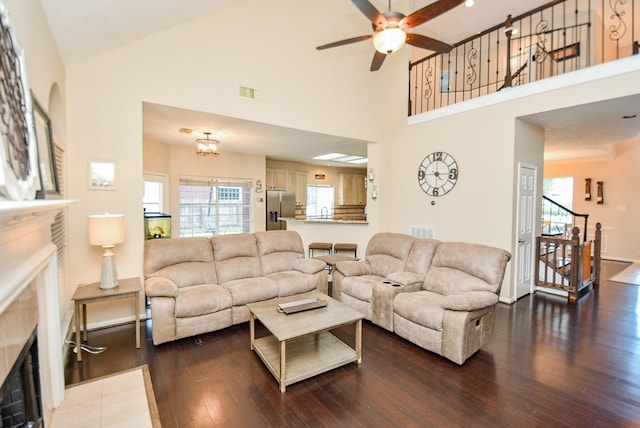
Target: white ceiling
84,28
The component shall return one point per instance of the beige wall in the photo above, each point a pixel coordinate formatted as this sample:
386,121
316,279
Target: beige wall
621,209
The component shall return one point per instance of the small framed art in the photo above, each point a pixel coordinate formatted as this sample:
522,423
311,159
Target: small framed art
102,175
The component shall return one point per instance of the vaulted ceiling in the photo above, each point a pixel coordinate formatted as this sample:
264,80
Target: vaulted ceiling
83,29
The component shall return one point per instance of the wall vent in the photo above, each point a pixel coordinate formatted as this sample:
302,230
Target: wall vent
422,232
251,93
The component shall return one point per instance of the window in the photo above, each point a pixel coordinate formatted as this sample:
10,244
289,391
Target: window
154,199
559,189
319,201
212,206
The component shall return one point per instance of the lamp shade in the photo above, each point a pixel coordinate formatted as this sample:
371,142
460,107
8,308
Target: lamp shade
389,40
106,229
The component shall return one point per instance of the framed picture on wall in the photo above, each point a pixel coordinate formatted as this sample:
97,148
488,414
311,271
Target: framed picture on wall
102,175
46,152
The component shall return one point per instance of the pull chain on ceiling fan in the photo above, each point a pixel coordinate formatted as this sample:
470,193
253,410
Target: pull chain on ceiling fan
389,29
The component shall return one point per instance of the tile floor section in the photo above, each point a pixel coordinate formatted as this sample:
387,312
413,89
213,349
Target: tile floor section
113,401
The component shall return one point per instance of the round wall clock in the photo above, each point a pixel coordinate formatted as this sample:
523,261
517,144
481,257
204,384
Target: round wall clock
438,174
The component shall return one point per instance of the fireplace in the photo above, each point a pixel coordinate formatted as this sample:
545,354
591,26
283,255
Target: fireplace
31,345
20,398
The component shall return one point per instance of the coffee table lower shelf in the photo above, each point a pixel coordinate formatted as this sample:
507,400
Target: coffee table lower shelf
305,356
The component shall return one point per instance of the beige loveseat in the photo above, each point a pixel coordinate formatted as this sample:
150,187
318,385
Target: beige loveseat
441,296
198,285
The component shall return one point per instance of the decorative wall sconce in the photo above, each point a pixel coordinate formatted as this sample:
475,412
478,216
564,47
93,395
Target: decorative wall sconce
600,194
587,189
258,186
372,175
374,193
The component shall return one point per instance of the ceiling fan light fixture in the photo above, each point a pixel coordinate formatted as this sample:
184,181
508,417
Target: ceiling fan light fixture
389,40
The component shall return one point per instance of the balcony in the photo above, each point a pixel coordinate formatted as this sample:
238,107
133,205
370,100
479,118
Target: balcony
557,38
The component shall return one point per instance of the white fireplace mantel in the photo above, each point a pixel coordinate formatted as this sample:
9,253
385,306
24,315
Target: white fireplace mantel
28,262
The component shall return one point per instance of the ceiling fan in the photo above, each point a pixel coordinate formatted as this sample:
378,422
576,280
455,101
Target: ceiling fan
389,29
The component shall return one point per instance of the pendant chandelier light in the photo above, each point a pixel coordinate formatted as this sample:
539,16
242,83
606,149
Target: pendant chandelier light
207,146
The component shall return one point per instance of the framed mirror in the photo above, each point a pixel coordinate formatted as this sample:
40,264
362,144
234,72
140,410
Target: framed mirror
46,153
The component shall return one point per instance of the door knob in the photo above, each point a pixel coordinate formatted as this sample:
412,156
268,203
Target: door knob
520,241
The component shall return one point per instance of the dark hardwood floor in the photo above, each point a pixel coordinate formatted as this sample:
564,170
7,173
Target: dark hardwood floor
549,363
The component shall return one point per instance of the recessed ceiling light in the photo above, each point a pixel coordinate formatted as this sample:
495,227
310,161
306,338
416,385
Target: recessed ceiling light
347,158
359,161
330,156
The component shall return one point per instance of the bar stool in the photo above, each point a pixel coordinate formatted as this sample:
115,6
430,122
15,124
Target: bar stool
341,246
324,246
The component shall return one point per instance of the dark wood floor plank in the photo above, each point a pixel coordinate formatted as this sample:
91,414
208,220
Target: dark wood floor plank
549,363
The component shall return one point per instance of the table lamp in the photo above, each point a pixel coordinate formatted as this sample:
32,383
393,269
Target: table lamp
107,230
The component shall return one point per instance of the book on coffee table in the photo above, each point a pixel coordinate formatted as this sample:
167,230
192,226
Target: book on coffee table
301,305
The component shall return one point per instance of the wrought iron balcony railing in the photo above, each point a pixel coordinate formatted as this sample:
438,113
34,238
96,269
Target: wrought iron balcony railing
558,37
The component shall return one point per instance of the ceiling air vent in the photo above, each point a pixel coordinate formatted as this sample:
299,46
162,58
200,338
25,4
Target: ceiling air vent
251,93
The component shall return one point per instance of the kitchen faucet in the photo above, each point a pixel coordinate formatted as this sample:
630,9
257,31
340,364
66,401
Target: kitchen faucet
324,212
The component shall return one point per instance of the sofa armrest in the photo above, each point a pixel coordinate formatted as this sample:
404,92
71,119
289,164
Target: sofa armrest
309,266
405,278
160,286
469,301
354,268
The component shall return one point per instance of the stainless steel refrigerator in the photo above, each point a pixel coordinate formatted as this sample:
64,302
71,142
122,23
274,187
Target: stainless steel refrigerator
279,204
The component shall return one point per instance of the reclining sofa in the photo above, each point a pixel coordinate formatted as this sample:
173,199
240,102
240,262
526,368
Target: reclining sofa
198,285
441,296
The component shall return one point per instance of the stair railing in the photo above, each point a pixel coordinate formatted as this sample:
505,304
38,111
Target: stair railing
553,215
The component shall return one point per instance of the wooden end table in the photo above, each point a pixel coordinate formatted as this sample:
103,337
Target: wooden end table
129,287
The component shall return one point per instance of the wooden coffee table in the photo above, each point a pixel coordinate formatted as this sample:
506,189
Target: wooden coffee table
300,345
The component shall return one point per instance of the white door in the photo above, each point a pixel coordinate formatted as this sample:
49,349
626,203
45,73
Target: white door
525,229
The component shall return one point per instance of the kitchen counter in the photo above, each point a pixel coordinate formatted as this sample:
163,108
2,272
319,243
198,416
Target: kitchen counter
324,220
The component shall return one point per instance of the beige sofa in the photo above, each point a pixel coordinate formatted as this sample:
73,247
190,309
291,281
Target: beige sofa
198,285
441,296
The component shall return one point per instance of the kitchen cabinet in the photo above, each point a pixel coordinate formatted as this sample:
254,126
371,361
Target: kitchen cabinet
290,181
276,179
351,189
300,187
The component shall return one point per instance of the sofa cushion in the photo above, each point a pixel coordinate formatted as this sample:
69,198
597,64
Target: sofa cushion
293,282
236,257
420,256
249,290
185,261
360,287
422,307
201,299
388,252
309,266
278,250
458,267
354,267
405,278
470,301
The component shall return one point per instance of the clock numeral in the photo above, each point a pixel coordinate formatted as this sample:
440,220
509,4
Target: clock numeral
421,175
453,174
437,156
435,191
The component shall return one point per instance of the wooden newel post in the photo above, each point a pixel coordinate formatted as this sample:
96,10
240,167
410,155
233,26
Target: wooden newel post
576,264
597,247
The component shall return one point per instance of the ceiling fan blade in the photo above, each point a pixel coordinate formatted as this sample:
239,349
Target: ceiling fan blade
369,11
378,59
428,12
425,42
344,42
